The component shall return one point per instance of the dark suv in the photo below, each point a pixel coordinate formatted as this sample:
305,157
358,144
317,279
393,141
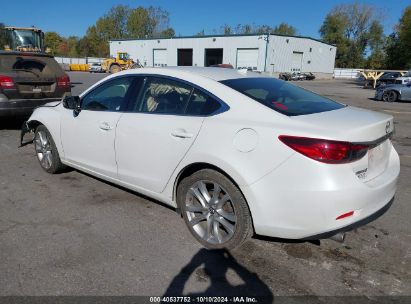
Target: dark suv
28,80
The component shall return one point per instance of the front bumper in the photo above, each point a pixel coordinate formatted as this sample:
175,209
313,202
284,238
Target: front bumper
378,94
16,107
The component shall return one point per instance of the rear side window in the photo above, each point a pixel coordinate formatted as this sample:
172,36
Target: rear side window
164,96
202,104
282,96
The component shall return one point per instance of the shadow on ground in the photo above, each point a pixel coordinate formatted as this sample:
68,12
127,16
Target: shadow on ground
211,268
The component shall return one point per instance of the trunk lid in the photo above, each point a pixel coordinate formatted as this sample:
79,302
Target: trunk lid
355,125
348,124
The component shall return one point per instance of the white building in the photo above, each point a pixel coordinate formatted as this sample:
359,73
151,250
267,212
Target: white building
265,53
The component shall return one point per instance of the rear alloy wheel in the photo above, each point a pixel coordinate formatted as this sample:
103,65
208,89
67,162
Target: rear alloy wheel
390,96
214,210
115,69
46,151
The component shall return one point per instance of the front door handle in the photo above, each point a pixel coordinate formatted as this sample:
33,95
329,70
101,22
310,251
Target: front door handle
105,126
180,133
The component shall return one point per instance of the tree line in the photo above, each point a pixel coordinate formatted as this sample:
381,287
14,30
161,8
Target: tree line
355,29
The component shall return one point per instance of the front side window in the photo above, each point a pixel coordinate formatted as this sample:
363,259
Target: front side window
110,96
164,96
281,96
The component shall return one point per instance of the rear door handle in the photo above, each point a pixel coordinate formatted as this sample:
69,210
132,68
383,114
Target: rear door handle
180,133
105,126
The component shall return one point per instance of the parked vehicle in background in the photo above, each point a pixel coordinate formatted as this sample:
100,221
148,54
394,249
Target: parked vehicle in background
122,61
309,76
237,153
394,92
95,67
222,65
406,78
388,78
295,76
28,76
28,80
285,76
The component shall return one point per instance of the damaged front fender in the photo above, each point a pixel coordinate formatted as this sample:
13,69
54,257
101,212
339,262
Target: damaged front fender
28,127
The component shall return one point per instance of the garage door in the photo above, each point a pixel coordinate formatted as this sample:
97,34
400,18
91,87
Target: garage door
247,59
160,58
297,61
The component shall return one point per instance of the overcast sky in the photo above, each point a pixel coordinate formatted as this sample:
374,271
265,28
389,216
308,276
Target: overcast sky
73,17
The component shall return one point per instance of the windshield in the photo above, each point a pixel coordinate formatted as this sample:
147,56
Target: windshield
281,96
124,56
26,39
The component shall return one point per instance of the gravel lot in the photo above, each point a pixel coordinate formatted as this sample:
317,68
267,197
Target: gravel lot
72,234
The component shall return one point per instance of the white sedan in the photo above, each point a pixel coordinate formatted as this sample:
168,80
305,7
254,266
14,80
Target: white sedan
235,152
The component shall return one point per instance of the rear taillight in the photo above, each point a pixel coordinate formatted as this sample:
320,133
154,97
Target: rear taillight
6,82
324,150
63,81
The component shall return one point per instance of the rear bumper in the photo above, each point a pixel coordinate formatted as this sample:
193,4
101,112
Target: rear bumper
302,199
17,107
354,225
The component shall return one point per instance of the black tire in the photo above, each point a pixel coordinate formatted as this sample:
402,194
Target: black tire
390,96
115,68
236,208
47,147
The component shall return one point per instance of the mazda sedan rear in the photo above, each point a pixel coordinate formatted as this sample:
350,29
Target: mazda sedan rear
236,153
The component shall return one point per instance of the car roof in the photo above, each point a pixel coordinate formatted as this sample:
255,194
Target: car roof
218,73
215,73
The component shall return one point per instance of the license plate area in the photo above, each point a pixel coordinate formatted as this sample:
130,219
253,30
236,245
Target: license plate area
378,159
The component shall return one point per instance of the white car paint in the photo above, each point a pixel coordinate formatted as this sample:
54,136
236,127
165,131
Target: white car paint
289,195
161,142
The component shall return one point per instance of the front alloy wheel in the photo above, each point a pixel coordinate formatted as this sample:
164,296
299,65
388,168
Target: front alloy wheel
46,151
43,149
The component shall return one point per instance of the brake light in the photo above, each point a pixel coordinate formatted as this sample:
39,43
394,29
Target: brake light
6,82
63,81
324,150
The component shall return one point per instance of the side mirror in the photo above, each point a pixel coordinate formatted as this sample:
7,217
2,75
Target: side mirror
72,103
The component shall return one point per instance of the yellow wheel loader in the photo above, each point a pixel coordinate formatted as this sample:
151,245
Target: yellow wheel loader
122,61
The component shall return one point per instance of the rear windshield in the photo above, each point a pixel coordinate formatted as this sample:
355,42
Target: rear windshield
38,64
282,96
